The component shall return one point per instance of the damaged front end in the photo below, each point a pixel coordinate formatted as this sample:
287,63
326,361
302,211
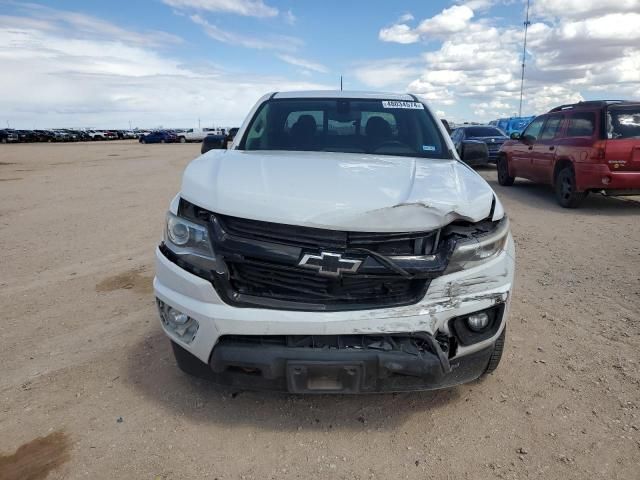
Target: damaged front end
285,267
260,267
342,363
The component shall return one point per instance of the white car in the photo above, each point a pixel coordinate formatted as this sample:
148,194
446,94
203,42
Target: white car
195,134
97,134
339,246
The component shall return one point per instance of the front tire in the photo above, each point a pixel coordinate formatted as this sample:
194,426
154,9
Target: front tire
496,355
189,363
183,140
162,141
504,179
565,187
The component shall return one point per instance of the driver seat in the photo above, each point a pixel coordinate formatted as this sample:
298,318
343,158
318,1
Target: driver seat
377,131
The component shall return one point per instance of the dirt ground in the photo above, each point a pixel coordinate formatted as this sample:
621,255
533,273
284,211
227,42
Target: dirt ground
89,387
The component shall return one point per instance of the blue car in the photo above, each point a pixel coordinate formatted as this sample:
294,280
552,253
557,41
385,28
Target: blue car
512,124
159,137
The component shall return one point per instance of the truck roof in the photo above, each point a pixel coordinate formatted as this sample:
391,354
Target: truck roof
345,94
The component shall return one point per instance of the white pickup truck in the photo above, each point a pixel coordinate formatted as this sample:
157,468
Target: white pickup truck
197,134
339,245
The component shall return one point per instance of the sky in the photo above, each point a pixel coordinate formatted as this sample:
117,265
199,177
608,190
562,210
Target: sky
180,63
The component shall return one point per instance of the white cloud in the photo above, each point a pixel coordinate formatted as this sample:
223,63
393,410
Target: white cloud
478,5
577,9
407,17
450,20
399,33
250,8
290,18
578,49
280,42
58,77
45,18
387,73
303,63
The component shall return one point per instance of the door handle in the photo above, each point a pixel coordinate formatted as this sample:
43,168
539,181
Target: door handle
552,148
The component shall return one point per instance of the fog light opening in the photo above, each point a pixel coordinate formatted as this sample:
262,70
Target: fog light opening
182,326
478,321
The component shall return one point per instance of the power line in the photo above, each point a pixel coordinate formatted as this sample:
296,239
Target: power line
524,57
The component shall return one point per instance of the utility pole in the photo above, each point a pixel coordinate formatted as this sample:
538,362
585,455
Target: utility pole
524,56
340,82
198,123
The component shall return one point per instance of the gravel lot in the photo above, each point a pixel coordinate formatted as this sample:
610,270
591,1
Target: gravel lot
85,365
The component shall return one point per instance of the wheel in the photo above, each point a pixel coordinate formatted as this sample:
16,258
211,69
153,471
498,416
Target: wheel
496,355
565,187
504,178
4,140
190,364
143,141
163,141
183,140
97,137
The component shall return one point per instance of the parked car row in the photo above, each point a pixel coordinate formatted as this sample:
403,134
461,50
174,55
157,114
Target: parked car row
210,137
9,135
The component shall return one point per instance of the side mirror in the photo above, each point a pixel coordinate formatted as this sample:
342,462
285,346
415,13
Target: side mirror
474,151
515,136
446,125
211,142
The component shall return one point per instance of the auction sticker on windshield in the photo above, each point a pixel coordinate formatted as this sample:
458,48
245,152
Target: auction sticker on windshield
401,104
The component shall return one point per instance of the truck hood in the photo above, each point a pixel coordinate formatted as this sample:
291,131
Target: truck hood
340,191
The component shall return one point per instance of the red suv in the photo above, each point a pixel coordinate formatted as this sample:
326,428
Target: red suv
585,147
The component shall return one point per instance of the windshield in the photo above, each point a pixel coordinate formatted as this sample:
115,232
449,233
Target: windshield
623,122
383,127
484,132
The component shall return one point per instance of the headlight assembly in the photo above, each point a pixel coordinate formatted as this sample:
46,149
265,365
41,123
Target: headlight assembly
189,241
474,251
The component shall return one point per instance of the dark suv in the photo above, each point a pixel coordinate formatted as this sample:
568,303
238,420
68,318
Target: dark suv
584,147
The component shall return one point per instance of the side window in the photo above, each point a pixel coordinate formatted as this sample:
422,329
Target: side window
581,124
533,130
254,136
552,127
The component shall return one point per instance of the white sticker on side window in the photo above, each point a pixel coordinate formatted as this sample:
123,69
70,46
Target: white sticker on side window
402,104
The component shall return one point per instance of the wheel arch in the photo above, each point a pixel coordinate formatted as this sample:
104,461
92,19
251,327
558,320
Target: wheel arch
561,164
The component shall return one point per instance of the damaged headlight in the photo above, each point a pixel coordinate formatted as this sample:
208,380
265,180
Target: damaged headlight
474,251
189,241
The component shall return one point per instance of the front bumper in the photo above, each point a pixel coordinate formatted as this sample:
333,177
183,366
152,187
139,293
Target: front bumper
448,297
316,370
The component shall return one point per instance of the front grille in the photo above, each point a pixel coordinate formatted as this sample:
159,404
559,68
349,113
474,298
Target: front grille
263,279
404,243
259,264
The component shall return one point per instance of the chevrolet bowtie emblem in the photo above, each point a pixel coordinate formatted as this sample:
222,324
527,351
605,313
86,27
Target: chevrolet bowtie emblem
330,264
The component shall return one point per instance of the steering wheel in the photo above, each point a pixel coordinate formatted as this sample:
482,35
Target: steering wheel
392,143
